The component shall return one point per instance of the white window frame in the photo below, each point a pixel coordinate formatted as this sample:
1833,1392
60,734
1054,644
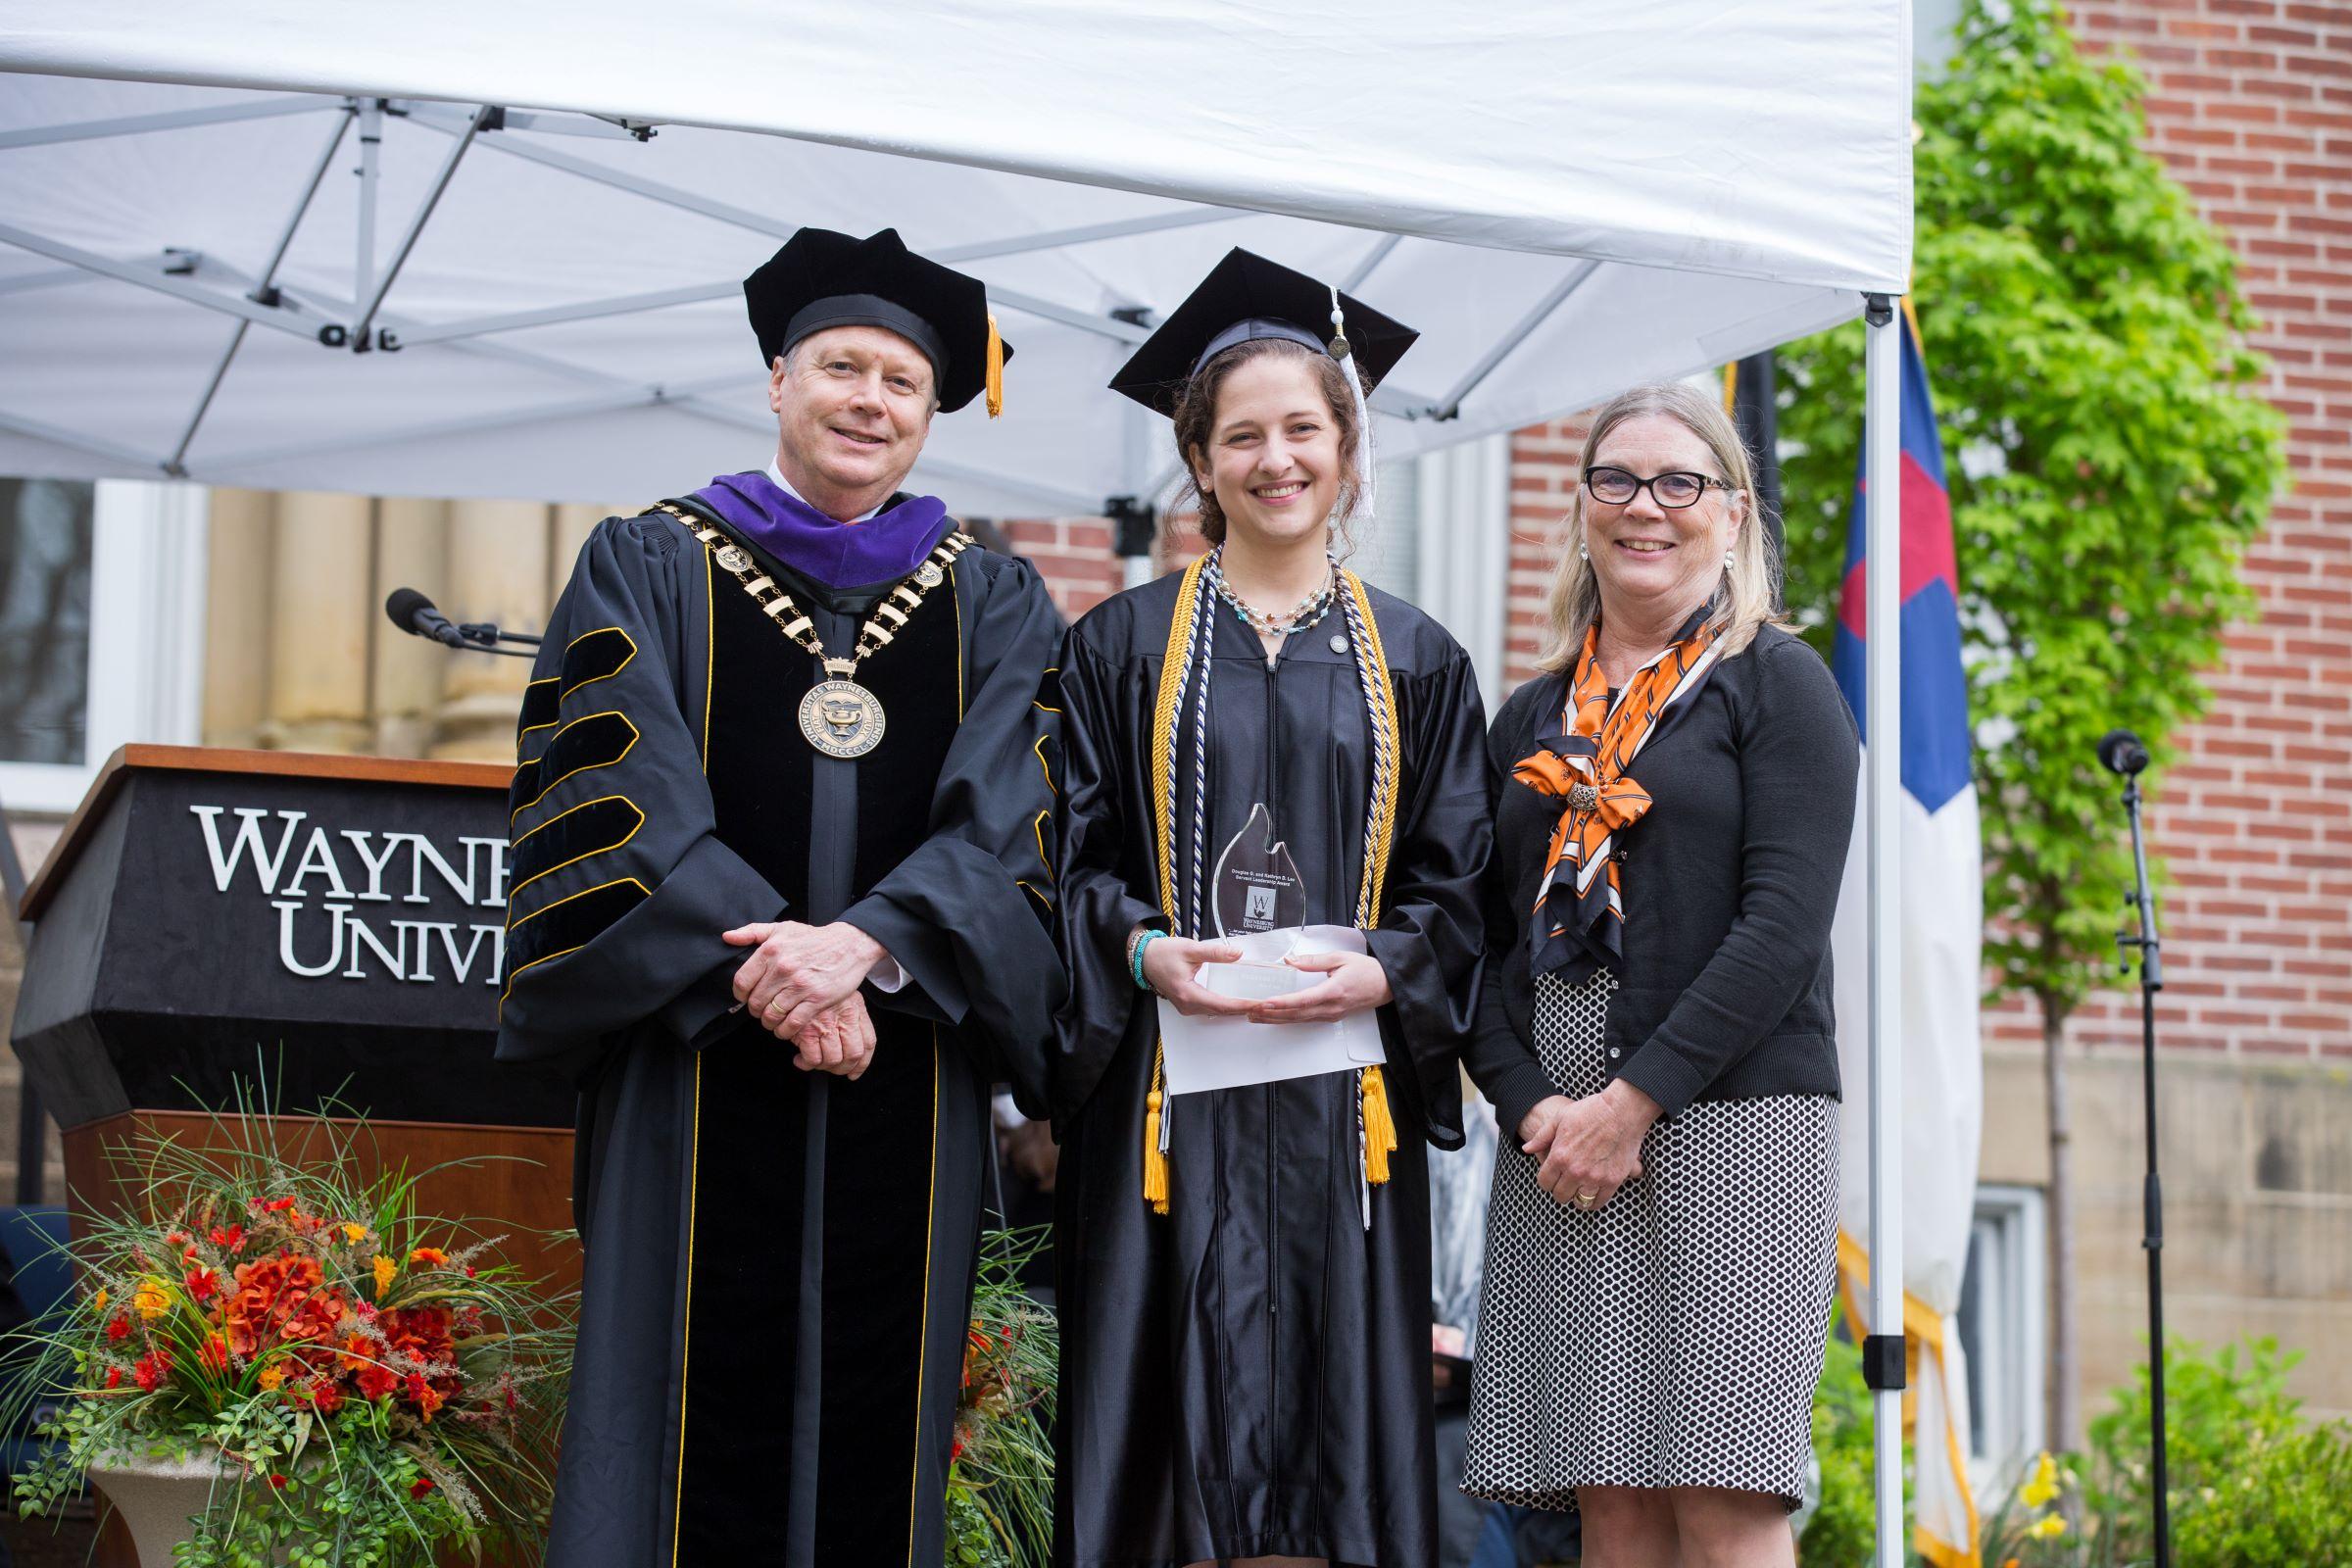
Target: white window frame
1465,553
146,671
2012,1298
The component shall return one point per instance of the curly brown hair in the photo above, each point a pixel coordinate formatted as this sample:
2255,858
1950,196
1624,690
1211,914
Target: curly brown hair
1195,417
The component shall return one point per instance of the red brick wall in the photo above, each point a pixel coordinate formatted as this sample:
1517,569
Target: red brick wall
1544,470
1073,555
2250,104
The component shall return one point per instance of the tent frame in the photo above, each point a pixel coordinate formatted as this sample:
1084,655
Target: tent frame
362,324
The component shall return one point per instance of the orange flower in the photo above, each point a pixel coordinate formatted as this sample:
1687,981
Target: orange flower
385,1268
283,1300
431,1256
355,1234
272,1378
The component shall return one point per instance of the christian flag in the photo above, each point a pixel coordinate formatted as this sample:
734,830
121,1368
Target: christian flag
1942,920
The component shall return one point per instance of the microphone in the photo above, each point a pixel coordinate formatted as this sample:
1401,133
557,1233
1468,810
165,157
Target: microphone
2120,752
414,614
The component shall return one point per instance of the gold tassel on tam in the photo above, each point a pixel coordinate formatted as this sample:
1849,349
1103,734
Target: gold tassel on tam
996,370
1379,1128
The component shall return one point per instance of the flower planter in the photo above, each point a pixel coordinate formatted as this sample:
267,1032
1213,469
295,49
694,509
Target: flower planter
156,1499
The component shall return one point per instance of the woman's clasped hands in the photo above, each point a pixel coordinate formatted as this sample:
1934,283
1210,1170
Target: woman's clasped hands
1586,1150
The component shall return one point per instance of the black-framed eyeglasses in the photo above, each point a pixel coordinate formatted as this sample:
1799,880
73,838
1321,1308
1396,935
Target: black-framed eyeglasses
1672,491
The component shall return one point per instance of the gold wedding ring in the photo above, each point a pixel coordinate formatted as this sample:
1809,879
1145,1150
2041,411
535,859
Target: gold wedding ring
1583,1199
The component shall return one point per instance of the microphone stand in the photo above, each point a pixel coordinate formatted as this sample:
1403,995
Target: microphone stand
2151,981
481,636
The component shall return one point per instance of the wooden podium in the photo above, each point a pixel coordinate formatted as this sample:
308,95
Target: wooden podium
332,926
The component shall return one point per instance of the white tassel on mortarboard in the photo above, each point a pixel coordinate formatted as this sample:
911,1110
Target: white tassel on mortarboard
1366,497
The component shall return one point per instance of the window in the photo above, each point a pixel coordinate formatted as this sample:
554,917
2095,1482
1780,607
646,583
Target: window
100,634
1441,542
2001,1329
45,541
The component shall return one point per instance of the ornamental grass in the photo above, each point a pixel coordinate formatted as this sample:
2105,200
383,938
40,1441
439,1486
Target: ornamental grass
1001,1475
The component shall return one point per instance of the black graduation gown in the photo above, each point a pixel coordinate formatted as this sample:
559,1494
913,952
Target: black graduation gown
777,1264
1249,1373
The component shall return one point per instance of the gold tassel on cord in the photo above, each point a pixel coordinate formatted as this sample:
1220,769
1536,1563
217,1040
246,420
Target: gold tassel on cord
1379,1128
1155,1158
996,370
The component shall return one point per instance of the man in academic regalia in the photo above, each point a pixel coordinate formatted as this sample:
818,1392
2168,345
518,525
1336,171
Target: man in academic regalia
779,903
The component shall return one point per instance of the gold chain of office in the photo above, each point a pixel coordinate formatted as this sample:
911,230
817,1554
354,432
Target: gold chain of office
839,716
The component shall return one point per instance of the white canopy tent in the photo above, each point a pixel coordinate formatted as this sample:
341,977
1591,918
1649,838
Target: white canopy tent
555,204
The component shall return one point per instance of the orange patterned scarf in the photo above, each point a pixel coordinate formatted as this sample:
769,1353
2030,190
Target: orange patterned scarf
1579,918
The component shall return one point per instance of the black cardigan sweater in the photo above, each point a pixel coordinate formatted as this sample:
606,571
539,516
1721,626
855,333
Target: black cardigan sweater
1728,885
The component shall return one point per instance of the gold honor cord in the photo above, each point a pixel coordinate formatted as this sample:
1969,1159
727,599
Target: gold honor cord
1378,1126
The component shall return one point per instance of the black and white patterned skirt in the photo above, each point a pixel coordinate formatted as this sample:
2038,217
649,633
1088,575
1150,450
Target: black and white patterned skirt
1673,1338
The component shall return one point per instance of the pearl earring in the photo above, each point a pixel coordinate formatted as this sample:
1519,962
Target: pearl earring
1729,561
1582,554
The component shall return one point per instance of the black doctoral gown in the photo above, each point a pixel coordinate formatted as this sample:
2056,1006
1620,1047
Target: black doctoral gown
1248,1374
778,1263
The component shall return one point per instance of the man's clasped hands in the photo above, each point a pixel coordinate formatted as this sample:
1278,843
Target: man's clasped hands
801,983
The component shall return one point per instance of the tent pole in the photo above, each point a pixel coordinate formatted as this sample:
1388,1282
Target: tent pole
372,136
1882,1359
262,293
360,344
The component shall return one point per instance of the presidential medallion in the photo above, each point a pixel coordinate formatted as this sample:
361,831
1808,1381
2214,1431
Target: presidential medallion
841,717
733,557
929,574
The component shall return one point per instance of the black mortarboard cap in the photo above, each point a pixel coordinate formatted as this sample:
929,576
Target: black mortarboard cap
1245,297
821,278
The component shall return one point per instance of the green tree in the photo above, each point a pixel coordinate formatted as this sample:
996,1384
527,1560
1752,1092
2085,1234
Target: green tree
2109,455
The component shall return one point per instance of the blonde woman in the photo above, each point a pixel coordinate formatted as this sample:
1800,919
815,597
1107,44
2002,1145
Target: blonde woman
1675,795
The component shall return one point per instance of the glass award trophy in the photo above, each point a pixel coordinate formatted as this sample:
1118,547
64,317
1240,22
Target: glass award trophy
1256,886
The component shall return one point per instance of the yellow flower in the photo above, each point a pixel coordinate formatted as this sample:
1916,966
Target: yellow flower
355,1234
385,1268
272,1375
151,1299
2050,1527
98,1301
2037,1493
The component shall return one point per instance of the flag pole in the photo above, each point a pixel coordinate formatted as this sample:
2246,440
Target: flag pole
1883,1360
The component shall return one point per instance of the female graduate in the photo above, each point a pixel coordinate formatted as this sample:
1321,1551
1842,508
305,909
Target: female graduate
1259,743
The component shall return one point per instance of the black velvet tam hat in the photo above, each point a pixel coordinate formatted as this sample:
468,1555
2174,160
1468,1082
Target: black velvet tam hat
1246,297
821,278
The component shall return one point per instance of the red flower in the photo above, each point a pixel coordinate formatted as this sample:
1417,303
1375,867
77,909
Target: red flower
215,1354
326,1397
277,1483
113,1377
276,1206
420,1485
232,1237
117,1328
176,1239
203,1284
957,1453
151,1370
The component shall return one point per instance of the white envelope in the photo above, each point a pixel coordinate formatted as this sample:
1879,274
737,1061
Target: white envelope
1228,1053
